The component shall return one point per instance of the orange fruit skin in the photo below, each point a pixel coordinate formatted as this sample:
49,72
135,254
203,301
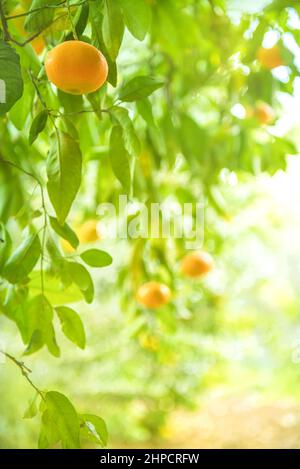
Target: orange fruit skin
153,295
197,264
269,58
76,67
264,113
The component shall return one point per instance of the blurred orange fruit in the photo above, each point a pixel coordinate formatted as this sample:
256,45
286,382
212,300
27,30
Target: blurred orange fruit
76,67
196,264
88,232
270,58
38,43
264,113
153,294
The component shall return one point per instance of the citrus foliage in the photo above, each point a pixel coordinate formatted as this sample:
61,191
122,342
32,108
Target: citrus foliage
164,121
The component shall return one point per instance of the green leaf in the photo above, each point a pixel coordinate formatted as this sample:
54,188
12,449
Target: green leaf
72,325
38,125
5,245
70,102
82,19
32,409
112,28
23,260
139,88
56,292
49,434
94,429
64,174
96,19
65,232
121,116
137,16
39,20
96,258
40,327
11,82
62,412
82,278
119,158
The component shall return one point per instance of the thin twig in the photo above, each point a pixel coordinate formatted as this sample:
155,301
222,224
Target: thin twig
24,370
45,7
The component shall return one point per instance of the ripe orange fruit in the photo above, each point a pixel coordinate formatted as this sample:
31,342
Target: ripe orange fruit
153,295
76,67
88,232
197,264
264,113
270,58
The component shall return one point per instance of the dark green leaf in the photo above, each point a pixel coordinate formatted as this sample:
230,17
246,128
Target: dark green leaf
11,82
38,125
